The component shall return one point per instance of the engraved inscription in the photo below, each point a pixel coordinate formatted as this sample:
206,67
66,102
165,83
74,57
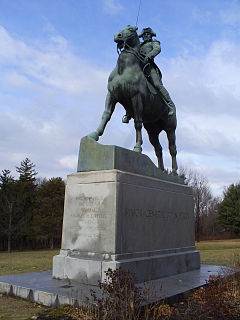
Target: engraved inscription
91,218
151,213
88,201
90,208
88,223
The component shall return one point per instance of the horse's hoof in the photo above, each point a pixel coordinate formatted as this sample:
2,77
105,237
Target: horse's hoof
137,149
94,135
174,173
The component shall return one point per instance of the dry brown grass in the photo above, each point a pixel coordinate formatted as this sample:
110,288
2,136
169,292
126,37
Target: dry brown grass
218,252
17,309
26,261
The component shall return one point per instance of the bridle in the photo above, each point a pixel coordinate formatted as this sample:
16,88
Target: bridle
129,49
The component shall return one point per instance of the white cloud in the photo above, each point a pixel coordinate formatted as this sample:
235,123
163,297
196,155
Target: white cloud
14,79
112,7
207,95
47,128
69,162
231,14
18,157
49,64
50,98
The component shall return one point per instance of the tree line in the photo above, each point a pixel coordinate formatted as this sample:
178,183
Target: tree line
31,209
215,217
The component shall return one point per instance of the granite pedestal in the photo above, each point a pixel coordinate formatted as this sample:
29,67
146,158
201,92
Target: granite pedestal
39,287
115,218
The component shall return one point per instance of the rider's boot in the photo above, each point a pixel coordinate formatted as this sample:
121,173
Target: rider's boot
157,83
168,100
126,118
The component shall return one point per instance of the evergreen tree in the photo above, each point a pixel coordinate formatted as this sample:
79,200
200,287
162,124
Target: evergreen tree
48,213
10,223
229,209
27,173
26,187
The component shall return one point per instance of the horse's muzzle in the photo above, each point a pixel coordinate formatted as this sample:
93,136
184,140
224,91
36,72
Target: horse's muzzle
120,44
118,37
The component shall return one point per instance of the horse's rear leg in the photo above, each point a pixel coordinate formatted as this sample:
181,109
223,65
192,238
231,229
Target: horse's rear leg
109,108
173,150
153,138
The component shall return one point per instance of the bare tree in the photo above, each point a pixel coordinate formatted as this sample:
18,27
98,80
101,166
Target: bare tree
201,193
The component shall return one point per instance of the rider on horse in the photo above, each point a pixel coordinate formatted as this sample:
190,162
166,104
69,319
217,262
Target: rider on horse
150,49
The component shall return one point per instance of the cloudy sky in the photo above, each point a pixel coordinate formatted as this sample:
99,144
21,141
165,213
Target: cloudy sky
55,58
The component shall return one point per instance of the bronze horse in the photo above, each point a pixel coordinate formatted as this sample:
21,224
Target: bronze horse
128,85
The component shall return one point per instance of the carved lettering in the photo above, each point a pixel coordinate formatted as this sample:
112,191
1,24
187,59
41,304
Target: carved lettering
89,201
152,213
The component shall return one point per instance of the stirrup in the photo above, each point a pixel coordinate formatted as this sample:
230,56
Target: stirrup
125,119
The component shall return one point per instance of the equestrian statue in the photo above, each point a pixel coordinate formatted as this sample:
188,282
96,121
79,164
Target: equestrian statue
136,83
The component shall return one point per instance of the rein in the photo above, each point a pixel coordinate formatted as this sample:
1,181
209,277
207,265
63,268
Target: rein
134,52
137,54
131,50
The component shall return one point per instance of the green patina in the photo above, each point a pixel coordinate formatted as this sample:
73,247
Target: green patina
94,156
136,83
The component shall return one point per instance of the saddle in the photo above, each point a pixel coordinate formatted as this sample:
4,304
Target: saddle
147,72
151,87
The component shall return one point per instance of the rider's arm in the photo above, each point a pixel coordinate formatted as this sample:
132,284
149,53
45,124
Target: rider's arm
156,49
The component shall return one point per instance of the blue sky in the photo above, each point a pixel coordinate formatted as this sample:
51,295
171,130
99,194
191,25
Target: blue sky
55,58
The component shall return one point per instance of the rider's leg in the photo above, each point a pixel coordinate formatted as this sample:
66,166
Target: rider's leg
157,82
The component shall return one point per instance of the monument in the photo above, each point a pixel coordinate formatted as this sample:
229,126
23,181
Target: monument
120,209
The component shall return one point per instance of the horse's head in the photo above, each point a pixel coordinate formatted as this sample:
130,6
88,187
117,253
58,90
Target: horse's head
127,35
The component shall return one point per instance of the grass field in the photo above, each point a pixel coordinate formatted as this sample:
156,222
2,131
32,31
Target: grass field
19,262
26,261
218,252
18,309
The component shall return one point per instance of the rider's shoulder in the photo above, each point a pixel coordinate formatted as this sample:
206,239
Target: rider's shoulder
157,42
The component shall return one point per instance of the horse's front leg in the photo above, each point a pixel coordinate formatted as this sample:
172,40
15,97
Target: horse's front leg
137,110
109,108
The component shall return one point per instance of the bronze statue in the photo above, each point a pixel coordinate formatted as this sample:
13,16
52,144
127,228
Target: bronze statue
136,84
150,49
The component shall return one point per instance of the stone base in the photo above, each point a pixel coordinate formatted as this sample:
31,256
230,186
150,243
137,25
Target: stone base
145,268
119,219
39,287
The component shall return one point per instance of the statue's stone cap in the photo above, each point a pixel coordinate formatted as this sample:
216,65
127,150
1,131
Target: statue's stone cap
94,156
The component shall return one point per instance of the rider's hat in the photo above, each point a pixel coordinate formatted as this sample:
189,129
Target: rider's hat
147,30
